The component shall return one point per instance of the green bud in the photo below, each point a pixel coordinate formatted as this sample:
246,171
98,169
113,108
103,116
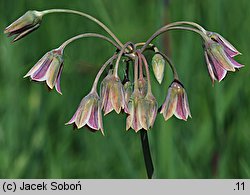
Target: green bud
158,64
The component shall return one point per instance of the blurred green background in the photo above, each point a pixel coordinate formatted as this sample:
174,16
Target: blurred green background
35,143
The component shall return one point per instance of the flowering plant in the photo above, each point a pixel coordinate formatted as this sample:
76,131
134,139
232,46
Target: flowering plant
134,96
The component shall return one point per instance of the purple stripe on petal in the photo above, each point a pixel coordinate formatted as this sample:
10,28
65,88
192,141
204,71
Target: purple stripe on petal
210,68
235,64
41,72
72,120
229,48
100,123
93,119
107,105
186,104
180,111
230,52
219,72
58,87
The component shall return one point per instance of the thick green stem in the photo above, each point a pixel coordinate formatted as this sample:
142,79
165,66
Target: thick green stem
85,35
173,26
146,153
94,86
84,15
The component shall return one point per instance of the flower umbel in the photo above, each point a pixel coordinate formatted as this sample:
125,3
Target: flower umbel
88,113
219,55
135,95
49,69
27,23
112,94
176,102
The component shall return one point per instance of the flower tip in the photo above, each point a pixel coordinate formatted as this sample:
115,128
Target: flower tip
6,30
102,132
27,75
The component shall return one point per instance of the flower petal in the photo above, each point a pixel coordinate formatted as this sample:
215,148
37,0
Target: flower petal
143,114
186,106
210,68
26,32
84,112
100,123
180,111
219,54
52,72
116,96
229,48
58,80
93,119
234,63
72,120
37,65
40,74
169,106
218,70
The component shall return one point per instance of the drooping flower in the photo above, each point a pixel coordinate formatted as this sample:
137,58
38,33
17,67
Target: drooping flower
112,93
27,23
158,64
49,69
142,111
219,55
147,108
176,102
88,113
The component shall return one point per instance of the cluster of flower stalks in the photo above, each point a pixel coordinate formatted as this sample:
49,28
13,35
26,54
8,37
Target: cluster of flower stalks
132,95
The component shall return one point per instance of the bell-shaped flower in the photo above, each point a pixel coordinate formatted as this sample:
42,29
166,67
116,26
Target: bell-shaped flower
88,113
158,64
142,111
147,108
176,102
49,69
27,23
219,55
112,94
